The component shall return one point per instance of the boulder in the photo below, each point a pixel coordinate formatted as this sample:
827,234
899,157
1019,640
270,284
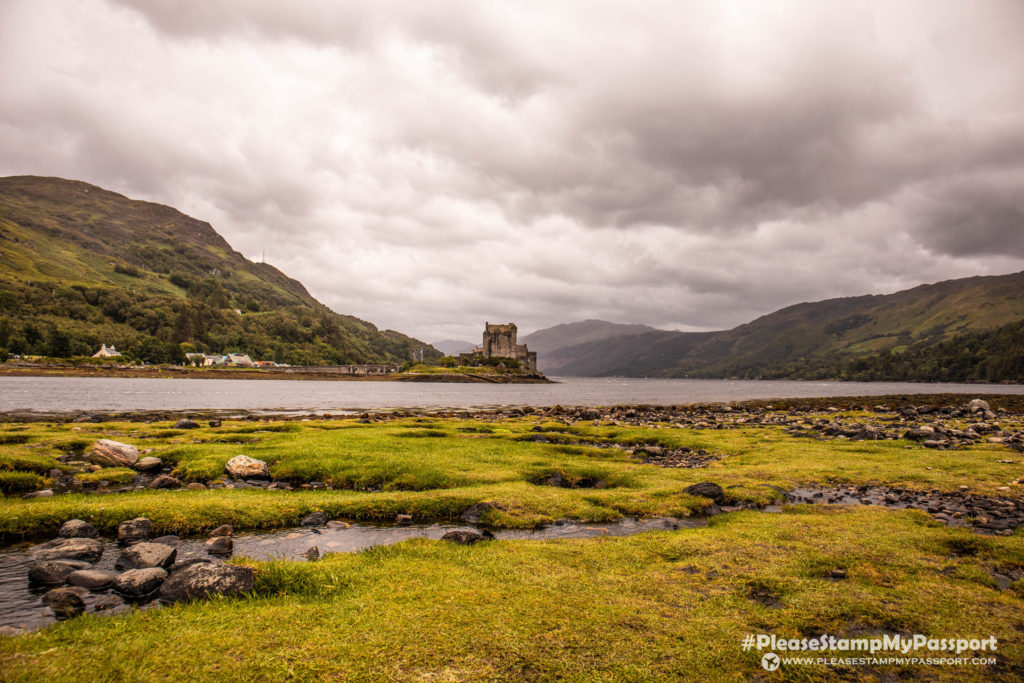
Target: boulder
148,464
195,486
137,583
186,424
223,530
466,536
244,467
172,541
202,580
86,549
55,572
77,528
113,454
182,564
144,555
107,602
165,481
91,579
475,514
65,602
707,489
219,545
978,406
318,518
133,530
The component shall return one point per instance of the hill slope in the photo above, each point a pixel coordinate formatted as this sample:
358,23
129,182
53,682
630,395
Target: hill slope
811,340
80,266
549,341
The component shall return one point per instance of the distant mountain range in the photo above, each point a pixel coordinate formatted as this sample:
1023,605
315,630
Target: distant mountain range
864,337
81,266
453,347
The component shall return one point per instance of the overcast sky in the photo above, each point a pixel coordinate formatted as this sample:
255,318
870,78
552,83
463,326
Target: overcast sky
428,166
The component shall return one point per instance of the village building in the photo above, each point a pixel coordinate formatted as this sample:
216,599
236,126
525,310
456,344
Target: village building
107,352
499,341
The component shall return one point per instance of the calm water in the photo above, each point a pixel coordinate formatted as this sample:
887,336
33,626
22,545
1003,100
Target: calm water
72,394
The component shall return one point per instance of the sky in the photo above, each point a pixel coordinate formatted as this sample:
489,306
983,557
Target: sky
432,166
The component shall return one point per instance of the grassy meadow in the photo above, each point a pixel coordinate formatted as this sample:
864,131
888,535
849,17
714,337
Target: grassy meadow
657,606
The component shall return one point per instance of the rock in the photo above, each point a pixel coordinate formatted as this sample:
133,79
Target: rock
195,486
313,554
186,424
10,631
244,467
145,555
137,583
215,423
45,493
55,572
837,574
401,520
165,481
223,530
219,545
318,518
978,406
201,580
148,464
91,579
182,564
86,549
133,530
466,536
113,454
77,528
65,602
475,514
107,602
706,489
171,540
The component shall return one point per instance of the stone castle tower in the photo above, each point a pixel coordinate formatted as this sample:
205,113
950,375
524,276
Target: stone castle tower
499,341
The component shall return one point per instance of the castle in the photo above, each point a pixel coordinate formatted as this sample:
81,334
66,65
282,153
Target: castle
500,342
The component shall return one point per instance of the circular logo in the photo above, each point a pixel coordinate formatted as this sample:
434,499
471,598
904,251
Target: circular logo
770,661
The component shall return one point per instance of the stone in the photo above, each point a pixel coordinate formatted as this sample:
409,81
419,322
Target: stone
91,579
65,602
137,583
223,530
133,530
10,631
113,454
195,486
145,555
187,424
182,564
215,423
107,602
45,493
707,489
475,514
77,528
318,518
86,549
313,554
148,464
978,406
171,540
219,545
55,572
466,536
165,481
244,467
838,574
401,520
204,579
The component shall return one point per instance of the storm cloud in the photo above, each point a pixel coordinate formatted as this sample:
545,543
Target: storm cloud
429,166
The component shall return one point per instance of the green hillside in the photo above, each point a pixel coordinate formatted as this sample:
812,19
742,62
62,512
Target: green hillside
81,266
818,340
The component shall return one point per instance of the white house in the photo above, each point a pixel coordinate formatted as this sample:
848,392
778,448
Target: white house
106,352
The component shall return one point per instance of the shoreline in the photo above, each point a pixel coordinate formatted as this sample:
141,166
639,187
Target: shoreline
163,372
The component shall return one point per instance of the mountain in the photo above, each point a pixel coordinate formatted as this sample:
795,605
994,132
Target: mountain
549,341
81,266
811,340
453,347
